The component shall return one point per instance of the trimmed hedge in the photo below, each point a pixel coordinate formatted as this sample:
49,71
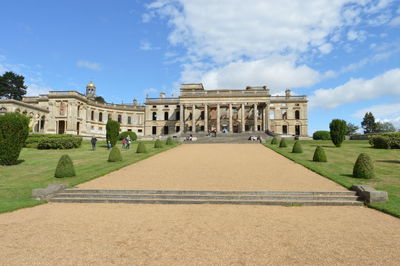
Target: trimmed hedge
274,141
297,147
59,143
322,135
282,144
158,144
14,129
169,141
338,129
126,134
364,167
319,155
65,167
385,141
33,139
112,131
141,148
115,155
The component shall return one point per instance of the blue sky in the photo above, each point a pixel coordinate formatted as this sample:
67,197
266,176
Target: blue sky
343,54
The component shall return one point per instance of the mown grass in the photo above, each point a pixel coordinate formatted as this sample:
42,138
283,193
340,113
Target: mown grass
36,170
339,167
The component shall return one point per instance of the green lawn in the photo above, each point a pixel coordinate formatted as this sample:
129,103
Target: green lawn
339,167
36,170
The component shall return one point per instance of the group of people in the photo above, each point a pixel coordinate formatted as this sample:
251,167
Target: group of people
254,138
126,143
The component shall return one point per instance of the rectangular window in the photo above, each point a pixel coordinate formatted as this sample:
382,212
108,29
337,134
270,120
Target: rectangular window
154,106
166,106
140,130
154,130
129,120
129,129
177,128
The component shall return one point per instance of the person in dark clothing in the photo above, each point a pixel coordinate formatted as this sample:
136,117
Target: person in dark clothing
93,141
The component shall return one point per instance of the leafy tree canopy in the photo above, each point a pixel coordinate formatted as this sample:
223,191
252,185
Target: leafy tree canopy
12,86
351,129
381,127
368,123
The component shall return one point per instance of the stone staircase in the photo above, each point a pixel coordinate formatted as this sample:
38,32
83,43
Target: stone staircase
284,198
226,137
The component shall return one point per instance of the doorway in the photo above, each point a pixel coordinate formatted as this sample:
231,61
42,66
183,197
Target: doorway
61,127
284,129
77,128
297,129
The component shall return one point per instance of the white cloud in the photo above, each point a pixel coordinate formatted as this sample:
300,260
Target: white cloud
355,90
35,89
395,22
356,35
382,112
89,65
149,91
326,48
147,46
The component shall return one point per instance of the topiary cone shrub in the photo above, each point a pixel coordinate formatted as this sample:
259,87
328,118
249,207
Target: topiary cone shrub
65,167
169,141
282,144
338,131
319,155
112,131
158,144
274,141
297,147
115,155
14,129
364,167
141,148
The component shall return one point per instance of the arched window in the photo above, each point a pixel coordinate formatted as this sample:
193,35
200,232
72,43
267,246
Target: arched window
92,116
202,115
119,119
284,114
154,116
178,115
166,115
42,121
297,114
79,109
100,117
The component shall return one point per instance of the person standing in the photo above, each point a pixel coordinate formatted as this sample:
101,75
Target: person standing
93,141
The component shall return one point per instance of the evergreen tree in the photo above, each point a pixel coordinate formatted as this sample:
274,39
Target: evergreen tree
338,131
351,129
368,123
112,131
12,86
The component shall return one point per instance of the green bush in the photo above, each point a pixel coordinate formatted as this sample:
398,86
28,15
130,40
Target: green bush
274,141
33,139
338,131
169,141
282,144
364,167
127,133
158,144
385,141
14,129
319,155
115,155
59,143
112,132
297,147
322,135
65,167
141,148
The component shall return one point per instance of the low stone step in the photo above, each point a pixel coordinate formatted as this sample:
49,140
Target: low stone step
208,192
206,197
222,202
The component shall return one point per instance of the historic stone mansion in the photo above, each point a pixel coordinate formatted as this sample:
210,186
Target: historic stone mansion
195,110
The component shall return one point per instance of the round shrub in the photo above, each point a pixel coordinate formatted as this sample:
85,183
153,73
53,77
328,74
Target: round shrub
274,141
297,147
141,148
169,141
364,167
115,155
338,131
319,155
282,144
112,132
158,144
125,134
65,167
14,129
321,135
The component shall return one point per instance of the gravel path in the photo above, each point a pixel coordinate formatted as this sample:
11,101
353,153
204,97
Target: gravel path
124,234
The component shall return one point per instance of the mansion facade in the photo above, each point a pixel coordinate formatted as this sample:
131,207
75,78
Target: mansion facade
195,110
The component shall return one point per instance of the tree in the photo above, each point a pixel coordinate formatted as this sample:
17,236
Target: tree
99,99
112,131
338,131
381,127
351,129
12,86
368,123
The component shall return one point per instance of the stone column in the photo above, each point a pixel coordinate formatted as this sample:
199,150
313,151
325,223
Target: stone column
264,118
182,119
193,118
205,118
242,110
255,117
267,112
230,119
218,119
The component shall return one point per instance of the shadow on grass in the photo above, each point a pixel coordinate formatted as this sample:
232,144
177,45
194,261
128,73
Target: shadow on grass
388,161
16,163
324,146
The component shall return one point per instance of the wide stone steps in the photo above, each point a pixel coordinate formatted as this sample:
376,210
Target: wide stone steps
309,198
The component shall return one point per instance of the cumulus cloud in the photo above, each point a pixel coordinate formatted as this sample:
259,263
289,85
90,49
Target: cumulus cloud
358,89
89,65
147,46
382,112
36,89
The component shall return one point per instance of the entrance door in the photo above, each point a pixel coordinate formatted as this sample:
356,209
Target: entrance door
77,128
297,128
235,128
284,129
165,130
61,127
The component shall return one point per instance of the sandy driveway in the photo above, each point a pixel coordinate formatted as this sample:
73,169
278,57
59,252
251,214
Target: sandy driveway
107,234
